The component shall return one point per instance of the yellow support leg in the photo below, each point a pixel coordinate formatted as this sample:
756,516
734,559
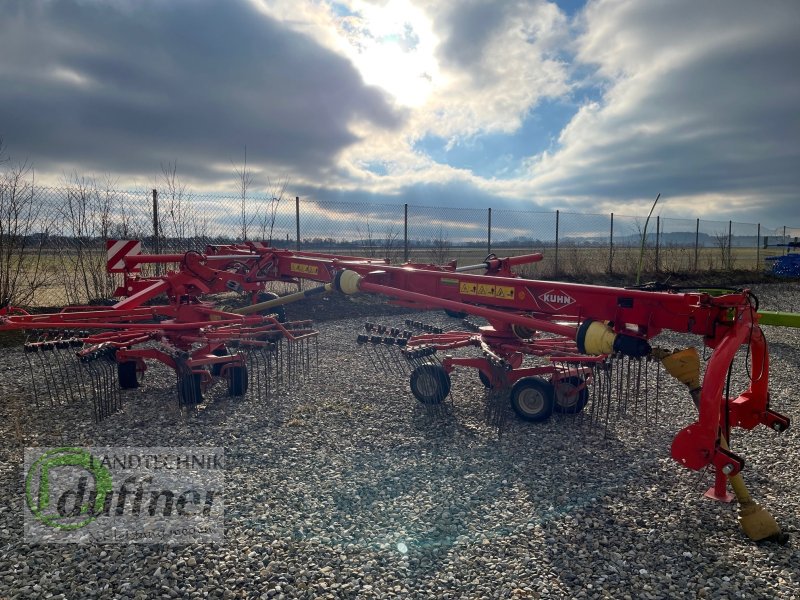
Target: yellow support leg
754,519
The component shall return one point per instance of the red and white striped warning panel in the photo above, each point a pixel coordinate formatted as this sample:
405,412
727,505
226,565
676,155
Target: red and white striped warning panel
117,250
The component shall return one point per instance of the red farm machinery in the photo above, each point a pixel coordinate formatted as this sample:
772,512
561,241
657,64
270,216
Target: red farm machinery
582,334
575,336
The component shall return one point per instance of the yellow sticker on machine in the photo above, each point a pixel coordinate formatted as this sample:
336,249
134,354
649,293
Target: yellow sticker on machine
505,292
301,268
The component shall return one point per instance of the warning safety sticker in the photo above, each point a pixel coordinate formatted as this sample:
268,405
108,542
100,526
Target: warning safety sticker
484,290
301,268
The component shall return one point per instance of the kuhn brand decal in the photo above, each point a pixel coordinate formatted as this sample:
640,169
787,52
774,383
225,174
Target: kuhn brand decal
556,299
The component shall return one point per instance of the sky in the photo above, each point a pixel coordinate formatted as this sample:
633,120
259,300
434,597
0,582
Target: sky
592,106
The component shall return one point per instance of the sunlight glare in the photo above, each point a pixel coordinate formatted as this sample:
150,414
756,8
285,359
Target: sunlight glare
393,47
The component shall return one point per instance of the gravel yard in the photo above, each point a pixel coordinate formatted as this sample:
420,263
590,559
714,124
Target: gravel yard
345,486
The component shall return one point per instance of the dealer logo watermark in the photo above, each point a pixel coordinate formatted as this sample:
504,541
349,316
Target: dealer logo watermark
124,494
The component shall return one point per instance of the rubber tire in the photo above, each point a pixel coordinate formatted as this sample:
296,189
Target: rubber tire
456,314
190,389
278,311
127,375
485,380
578,404
530,389
430,384
523,333
237,381
216,369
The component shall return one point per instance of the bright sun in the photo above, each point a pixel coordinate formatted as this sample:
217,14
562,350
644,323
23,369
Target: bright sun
393,48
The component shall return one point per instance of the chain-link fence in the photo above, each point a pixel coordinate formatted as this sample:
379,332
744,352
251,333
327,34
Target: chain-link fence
52,240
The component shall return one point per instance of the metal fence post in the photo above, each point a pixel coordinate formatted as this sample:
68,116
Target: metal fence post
489,234
696,243
658,238
730,235
156,242
405,233
555,268
297,219
611,247
785,249
758,248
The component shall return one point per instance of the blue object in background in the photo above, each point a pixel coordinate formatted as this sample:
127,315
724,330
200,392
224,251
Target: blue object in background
785,266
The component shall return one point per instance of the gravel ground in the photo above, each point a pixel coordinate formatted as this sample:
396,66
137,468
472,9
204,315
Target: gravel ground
345,487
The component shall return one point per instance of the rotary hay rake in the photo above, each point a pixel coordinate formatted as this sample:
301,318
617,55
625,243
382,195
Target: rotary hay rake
69,366
202,343
589,343
91,353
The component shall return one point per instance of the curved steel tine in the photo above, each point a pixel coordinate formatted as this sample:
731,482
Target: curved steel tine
27,352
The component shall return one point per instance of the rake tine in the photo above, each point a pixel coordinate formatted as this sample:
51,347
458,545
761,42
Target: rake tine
270,352
398,363
272,363
647,366
27,350
46,369
67,369
596,401
638,386
268,355
254,368
95,382
292,355
63,380
306,358
116,398
626,393
658,387
280,360
376,343
495,411
609,391
388,353
108,388
49,379
290,360
77,372
363,341
598,379
282,367
107,392
298,362
60,376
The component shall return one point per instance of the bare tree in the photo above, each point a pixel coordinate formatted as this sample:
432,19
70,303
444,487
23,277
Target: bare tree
177,201
441,248
22,234
87,218
245,178
388,246
722,242
275,194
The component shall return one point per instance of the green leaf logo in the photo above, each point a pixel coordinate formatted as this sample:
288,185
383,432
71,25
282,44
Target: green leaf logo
38,496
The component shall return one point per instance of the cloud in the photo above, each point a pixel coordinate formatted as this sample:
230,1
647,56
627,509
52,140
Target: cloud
121,87
526,104
701,101
498,60
455,210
